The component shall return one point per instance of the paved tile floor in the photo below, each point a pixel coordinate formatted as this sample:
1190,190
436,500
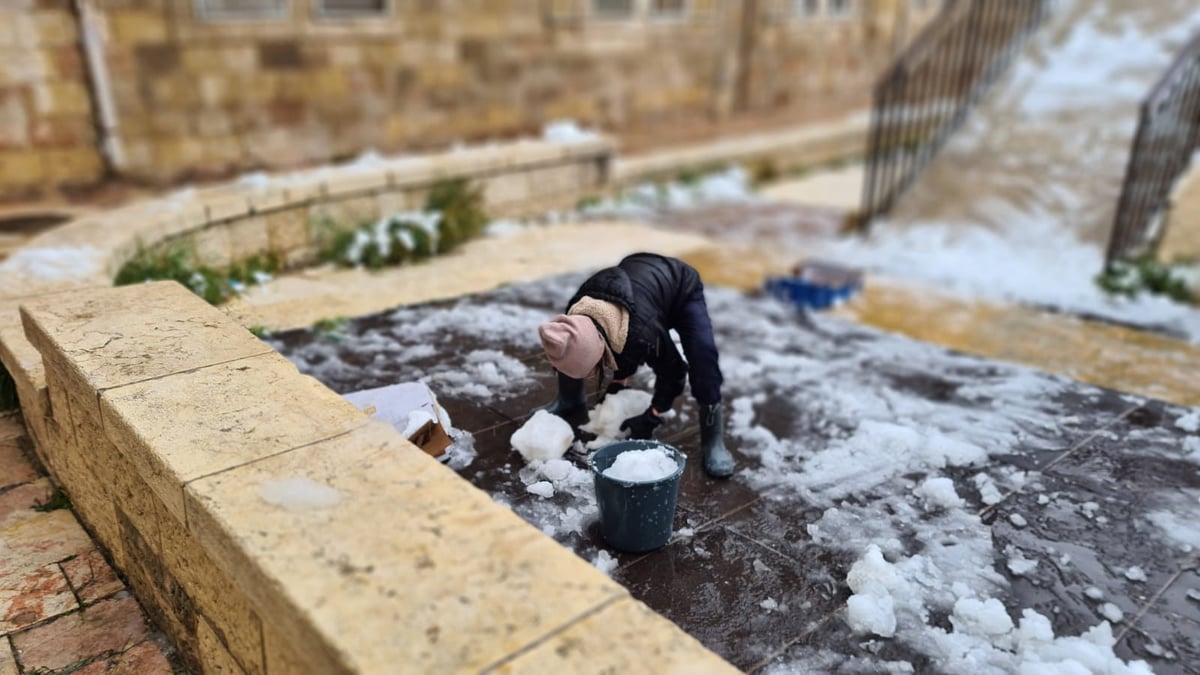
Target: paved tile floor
62,608
1077,479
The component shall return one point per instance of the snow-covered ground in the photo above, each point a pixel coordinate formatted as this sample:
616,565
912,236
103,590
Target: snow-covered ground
899,450
1019,203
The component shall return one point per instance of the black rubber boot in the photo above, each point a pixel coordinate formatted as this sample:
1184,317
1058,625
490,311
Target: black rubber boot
718,463
570,399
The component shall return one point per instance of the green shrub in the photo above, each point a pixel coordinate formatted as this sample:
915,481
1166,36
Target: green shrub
177,262
461,207
452,216
1144,275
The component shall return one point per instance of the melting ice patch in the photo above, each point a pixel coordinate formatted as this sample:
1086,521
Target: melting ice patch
299,494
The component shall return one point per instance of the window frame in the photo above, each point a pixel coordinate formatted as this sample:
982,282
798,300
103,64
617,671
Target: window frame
612,15
321,13
202,13
684,11
853,10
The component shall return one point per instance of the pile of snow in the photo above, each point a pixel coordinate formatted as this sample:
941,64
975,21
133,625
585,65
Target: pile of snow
605,562
939,492
983,632
543,437
299,494
545,478
647,199
566,132
605,419
642,466
55,263
1189,422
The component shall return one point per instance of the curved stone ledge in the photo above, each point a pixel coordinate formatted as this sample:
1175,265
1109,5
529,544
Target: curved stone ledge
270,527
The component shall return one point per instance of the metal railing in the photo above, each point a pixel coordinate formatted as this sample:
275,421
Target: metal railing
926,94
1167,136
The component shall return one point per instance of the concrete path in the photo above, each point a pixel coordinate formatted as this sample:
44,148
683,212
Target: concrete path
62,608
535,252
838,188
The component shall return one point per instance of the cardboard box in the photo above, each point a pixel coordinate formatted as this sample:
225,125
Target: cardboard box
412,409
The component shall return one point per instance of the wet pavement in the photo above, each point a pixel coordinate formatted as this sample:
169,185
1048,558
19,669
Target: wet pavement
1094,492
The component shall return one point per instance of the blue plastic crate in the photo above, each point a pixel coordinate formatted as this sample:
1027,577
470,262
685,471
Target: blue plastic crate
816,285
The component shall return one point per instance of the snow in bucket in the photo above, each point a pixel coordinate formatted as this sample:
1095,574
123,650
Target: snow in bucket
642,466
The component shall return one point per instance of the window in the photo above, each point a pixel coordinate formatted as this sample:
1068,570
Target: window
351,7
841,8
668,7
806,8
612,7
241,9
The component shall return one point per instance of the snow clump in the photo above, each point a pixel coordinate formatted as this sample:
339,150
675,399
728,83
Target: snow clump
544,437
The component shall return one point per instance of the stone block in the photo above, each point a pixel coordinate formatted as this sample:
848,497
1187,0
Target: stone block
73,166
287,230
210,593
14,120
47,539
507,188
212,246
21,168
92,577
394,201
328,217
185,426
229,207
112,625
354,184
279,654
56,386
8,661
327,84
22,66
131,26
34,596
214,656
249,237
108,337
61,131
455,573
624,637
54,28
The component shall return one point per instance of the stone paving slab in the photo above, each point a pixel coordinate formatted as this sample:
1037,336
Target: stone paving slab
61,604
748,575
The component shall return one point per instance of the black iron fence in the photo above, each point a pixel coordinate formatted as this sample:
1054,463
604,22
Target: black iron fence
1167,136
928,91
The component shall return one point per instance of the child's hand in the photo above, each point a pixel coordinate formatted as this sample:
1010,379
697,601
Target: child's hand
642,426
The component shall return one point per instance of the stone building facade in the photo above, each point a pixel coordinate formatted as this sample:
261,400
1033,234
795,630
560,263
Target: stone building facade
180,89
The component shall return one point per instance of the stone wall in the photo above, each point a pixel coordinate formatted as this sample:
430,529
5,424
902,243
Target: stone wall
46,128
198,94
243,503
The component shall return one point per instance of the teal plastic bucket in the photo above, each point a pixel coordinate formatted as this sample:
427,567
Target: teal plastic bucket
635,517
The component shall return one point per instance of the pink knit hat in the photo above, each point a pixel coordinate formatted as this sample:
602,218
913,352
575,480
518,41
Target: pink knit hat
573,344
